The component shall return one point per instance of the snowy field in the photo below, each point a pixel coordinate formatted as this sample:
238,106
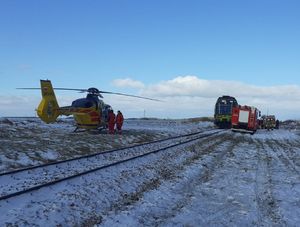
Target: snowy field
230,179
28,141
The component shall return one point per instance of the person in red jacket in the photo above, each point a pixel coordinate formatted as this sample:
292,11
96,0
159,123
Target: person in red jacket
119,121
111,122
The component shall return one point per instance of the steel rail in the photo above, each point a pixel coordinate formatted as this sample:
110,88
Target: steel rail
34,188
99,153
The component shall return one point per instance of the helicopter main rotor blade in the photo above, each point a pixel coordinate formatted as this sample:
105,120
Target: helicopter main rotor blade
70,89
135,96
28,88
55,88
97,92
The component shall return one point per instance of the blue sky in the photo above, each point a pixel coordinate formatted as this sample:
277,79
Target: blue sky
92,43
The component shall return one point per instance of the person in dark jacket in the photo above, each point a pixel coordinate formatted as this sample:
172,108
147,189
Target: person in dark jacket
111,122
277,124
119,121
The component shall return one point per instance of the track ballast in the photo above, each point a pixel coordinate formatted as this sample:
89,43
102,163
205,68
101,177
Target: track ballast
29,179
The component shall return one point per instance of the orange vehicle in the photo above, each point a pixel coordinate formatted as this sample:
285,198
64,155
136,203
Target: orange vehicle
245,119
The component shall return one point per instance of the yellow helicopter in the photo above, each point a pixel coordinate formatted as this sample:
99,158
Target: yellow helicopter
89,113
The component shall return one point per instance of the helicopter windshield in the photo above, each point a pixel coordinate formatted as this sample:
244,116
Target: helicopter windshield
82,103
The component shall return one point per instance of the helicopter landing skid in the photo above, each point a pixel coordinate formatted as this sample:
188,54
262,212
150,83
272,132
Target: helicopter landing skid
77,129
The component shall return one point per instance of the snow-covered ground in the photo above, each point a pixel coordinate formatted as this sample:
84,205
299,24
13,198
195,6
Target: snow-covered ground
230,179
28,141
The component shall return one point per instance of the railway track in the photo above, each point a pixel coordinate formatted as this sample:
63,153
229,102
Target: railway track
29,179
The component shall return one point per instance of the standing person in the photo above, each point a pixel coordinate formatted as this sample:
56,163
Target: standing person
119,121
111,122
277,124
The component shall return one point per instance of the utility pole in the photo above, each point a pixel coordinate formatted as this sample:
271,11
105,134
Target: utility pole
144,113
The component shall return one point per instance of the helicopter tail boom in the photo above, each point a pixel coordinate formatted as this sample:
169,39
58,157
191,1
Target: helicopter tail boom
48,109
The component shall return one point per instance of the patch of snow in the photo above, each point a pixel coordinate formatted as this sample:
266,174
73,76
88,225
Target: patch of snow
232,179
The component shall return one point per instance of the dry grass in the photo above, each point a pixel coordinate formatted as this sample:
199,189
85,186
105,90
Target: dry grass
198,119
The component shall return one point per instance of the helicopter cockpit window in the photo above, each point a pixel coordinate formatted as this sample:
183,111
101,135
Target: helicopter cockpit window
82,103
88,104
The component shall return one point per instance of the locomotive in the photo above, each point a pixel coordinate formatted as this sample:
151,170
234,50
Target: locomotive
223,111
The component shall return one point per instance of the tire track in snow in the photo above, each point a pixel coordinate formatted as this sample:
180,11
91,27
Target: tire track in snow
280,151
224,210
210,168
293,151
188,194
184,187
167,174
267,207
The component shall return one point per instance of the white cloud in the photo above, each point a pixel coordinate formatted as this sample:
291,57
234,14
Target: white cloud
187,96
128,83
18,105
194,86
